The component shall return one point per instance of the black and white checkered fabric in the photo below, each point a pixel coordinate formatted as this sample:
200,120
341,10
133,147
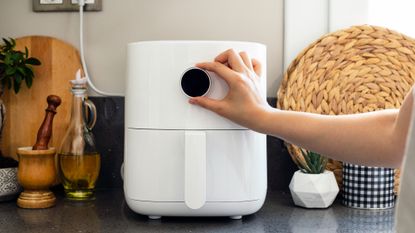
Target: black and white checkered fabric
368,187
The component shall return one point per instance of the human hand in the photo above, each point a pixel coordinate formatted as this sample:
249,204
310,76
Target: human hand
243,103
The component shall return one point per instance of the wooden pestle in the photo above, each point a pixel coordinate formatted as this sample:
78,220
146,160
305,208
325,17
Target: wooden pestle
45,130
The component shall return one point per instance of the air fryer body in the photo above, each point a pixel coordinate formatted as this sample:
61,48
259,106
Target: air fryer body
180,159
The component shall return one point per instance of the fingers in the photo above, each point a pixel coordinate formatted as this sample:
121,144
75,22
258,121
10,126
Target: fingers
223,71
232,58
257,67
210,104
241,60
246,59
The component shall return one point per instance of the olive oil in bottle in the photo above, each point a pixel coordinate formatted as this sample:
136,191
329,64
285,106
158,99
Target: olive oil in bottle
78,161
79,174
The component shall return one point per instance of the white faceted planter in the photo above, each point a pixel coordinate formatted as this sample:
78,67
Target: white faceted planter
314,190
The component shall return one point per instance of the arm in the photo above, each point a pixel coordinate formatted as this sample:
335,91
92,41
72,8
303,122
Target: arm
372,139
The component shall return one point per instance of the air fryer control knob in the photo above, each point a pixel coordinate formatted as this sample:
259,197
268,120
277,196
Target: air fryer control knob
195,82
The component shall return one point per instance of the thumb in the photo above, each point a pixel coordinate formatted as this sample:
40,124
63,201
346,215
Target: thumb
210,104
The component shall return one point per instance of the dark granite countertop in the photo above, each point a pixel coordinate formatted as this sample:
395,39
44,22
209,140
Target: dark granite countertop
109,213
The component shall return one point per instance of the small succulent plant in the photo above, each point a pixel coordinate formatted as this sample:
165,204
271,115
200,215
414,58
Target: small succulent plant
15,66
310,162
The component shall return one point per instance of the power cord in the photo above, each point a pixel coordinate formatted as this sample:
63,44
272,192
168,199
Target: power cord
81,4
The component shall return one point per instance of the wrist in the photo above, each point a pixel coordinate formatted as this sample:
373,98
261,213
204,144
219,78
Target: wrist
264,118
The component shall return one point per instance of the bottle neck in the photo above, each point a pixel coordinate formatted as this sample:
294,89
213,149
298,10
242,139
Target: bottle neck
79,94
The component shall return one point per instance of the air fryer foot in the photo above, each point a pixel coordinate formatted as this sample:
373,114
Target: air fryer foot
236,217
154,217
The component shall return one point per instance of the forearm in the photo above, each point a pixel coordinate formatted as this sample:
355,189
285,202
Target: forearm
373,139
367,139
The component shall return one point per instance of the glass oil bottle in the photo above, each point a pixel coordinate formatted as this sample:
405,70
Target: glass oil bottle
78,161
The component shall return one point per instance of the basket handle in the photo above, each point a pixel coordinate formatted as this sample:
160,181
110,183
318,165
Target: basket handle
195,169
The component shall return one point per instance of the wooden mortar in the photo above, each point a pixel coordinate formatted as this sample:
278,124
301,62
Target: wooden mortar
36,174
37,170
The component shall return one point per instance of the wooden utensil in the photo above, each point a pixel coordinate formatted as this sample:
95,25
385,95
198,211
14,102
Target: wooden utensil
60,61
45,130
37,170
36,173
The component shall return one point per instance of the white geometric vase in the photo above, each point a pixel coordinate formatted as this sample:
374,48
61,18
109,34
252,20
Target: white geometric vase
314,190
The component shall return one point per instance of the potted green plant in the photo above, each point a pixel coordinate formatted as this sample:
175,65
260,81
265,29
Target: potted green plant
312,186
15,68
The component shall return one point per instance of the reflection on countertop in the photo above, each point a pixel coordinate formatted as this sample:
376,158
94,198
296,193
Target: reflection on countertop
109,213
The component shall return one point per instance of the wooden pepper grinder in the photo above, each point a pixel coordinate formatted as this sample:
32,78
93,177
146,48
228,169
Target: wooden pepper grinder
45,131
37,172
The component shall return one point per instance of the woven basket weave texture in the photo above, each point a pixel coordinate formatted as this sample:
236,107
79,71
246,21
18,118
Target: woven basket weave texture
355,70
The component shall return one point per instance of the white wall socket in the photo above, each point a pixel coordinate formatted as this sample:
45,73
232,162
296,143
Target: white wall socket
65,5
51,1
86,1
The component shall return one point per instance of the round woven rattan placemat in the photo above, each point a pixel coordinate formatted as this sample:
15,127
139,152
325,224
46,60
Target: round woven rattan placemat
355,70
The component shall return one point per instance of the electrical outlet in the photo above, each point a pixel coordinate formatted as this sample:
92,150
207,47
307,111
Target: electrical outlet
86,1
51,1
65,5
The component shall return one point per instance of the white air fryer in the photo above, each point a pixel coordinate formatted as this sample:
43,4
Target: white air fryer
181,159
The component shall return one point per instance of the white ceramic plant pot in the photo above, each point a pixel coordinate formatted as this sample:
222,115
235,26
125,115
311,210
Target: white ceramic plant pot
314,190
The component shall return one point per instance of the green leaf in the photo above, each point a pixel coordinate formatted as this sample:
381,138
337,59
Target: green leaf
16,57
9,44
29,71
8,59
29,81
13,42
21,71
313,168
15,66
10,71
16,85
33,61
18,78
6,42
304,170
324,164
307,160
315,163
